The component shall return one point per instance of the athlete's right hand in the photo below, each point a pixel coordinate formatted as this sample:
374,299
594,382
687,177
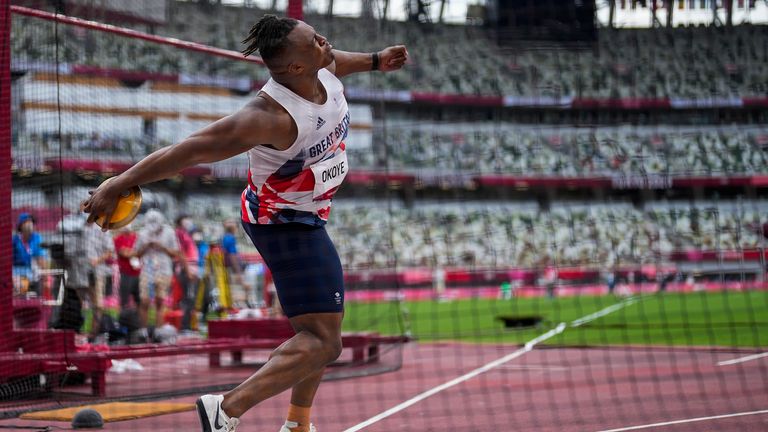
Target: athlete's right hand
102,201
392,58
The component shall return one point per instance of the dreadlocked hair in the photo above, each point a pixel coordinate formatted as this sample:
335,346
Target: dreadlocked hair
268,36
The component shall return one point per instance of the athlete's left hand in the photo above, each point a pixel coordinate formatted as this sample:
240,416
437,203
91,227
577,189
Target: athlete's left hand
392,58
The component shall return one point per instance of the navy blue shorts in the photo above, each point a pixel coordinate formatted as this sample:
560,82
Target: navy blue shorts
304,264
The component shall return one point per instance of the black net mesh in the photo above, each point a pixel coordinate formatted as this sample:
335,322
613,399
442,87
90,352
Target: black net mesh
531,236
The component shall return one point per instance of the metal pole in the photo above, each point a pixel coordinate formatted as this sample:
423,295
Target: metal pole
6,286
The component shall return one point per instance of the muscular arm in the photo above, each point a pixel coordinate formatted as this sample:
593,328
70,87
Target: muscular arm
390,59
346,63
253,125
227,137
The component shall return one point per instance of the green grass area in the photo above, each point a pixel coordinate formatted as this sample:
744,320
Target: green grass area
707,319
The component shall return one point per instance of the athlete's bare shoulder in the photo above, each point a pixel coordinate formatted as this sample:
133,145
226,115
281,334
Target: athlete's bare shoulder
267,113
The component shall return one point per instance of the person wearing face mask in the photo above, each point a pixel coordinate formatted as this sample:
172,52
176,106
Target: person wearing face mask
188,269
157,247
28,255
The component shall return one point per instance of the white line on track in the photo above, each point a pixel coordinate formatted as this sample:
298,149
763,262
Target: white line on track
418,398
743,359
603,312
494,364
691,420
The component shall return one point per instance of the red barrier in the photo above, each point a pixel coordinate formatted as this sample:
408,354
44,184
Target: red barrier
534,291
757,102
365,177
457,99
46,218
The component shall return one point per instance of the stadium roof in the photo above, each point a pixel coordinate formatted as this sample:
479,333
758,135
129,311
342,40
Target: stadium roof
455,10
692,11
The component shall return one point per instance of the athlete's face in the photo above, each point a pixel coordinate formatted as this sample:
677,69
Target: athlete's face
313,51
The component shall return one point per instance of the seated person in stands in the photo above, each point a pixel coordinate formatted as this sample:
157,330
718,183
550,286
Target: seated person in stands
28,256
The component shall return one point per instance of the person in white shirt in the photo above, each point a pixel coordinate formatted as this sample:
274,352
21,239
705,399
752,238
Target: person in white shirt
156,245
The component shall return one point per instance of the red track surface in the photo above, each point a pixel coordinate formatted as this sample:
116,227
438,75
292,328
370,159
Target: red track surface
547,389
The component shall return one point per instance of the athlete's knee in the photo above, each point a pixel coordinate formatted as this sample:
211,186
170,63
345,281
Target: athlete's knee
332,349
323,348
327,350
325,333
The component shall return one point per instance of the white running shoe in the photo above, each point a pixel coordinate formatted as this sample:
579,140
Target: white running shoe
212,417
289,424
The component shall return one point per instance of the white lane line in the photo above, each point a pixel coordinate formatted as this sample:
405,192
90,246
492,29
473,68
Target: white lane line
603,312
496,363
691,420
743,359
509,357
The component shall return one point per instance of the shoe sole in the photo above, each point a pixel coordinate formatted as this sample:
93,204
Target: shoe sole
203,416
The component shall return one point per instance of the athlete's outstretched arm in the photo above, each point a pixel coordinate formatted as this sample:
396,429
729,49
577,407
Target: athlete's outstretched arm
390,59
227,137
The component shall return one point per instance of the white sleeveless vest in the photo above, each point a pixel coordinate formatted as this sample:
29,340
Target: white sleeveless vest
297,184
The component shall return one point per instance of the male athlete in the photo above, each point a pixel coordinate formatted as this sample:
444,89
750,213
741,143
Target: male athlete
293,131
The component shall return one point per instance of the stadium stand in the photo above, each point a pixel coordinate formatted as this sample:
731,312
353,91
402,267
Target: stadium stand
506,149
563,151
606,200
498,234
623,64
